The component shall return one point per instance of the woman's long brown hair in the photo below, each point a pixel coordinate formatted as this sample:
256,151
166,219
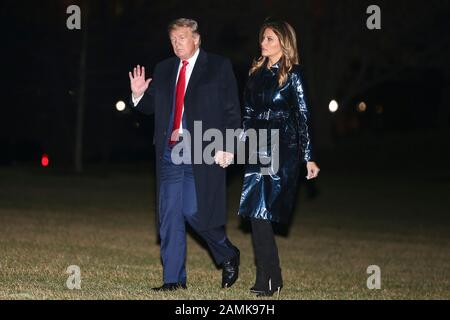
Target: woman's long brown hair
288,41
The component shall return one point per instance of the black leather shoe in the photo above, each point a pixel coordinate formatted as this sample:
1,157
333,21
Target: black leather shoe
170,287
230,270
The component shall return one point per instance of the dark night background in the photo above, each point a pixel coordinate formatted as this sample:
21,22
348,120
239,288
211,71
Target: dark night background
401,72
381,196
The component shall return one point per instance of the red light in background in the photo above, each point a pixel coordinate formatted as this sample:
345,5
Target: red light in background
44,160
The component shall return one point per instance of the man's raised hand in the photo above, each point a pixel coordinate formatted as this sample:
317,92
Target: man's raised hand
137,81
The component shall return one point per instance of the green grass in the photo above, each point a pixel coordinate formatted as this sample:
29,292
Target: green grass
105,225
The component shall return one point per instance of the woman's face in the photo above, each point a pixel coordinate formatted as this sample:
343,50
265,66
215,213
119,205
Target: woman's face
270,44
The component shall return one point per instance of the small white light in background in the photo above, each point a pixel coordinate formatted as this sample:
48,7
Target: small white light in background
333,106
120,105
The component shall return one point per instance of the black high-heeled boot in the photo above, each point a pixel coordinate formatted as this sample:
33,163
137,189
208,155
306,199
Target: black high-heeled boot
274,283
259,282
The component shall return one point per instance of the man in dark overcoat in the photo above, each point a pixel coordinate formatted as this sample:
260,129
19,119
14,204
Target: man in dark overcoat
190,93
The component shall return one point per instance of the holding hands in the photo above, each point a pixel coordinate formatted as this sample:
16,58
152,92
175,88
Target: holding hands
223,159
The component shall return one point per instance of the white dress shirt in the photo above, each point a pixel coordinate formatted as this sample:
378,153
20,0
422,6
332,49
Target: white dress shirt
189,68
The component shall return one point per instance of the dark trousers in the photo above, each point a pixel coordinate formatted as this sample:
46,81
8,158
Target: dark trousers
177,205
264,246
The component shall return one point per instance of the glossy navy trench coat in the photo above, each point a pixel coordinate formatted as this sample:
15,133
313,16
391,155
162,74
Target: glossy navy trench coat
269,190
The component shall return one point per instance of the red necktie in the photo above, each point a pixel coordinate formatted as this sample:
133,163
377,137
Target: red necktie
179,101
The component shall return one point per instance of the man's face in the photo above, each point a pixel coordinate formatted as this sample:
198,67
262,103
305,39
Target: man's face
184,42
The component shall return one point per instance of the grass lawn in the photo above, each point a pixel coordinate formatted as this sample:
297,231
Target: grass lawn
104,224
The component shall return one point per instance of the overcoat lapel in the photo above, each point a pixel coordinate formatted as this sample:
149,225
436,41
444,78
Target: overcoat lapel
170,85
199,68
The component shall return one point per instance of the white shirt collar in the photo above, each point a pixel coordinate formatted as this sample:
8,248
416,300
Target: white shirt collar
191,60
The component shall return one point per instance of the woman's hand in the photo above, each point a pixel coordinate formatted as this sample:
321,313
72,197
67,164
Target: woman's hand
313,170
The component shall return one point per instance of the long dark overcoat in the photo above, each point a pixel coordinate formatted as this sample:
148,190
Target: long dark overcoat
212,98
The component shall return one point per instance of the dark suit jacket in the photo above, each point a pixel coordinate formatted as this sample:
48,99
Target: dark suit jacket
211,97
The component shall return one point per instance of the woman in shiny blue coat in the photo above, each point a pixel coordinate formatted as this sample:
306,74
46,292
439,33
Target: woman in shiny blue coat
274,98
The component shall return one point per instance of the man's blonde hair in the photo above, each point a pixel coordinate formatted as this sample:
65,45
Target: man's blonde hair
184,22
